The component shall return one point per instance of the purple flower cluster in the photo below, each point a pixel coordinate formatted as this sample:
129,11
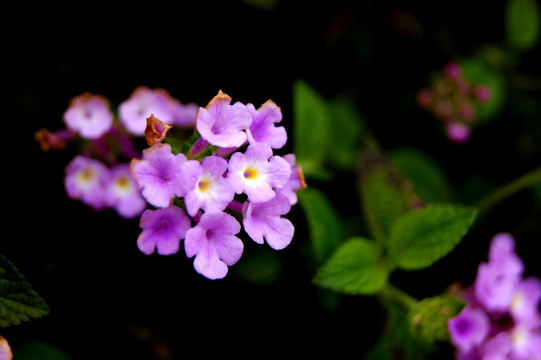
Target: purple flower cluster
453,100
230,172
100,175
501,318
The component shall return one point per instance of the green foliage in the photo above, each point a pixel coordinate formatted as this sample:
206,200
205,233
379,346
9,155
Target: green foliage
383,191
18,301
522,24
429,180
421,237
354,268
325,227
177,146
428,319
39,350
311,128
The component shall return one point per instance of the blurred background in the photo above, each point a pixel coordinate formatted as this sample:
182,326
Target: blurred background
110,301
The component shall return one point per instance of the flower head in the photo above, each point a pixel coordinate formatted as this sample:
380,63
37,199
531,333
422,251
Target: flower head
205,185
123,193
263,220
142,103
158,174
89,115
86,180
223,124
214,244
262,129
257,172
469,328
163,229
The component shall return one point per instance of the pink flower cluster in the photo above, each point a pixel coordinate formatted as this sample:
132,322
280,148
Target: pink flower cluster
453,100
100,175
230,170
501,318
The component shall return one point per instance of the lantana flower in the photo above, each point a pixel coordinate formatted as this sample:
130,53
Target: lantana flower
123,193
86,180
89,115
262,129
205,185
265,221
163,229
214,244
257,172
222,124
158,174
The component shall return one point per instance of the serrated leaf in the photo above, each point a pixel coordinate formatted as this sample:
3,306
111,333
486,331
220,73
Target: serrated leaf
421,237
324,224
522,23
18,301
311,127
383,191
354,268
424,172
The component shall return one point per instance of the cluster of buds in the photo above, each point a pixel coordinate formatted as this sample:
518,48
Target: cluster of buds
453,100
501,317
228,175
100,175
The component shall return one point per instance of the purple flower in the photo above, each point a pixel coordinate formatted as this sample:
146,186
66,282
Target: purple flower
258,173
163,229
263,220
469,328
214,244
296,180
262,129
158,174
123,193
525,302
89,115
86,180
457,132
184,115
497,279
142,103
222,124
205,185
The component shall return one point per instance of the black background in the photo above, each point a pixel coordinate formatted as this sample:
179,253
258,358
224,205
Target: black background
110,301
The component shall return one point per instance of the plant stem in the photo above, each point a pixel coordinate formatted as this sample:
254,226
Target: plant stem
391,292
530,178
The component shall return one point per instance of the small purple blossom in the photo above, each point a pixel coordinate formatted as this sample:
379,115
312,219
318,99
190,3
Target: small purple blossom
163,229
123,194
262,129
142,103
158,174
457,132
89,115
86,180
205,185
469,328
265,221
223,124
214,244
296,180
257,172
184,115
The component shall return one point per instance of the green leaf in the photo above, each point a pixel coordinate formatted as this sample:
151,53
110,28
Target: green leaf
428,319
346,134
383,191
354,268
421,237
39,350
325,227
424,172
18,301
177,146
522,22
311,128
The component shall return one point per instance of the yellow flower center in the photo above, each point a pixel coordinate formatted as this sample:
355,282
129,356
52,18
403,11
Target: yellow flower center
250,174
202,185
87,174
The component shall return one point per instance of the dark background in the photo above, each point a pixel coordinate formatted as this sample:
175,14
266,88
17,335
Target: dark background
110,301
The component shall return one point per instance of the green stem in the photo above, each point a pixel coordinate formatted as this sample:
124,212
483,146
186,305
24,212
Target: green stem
391,292
531,178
